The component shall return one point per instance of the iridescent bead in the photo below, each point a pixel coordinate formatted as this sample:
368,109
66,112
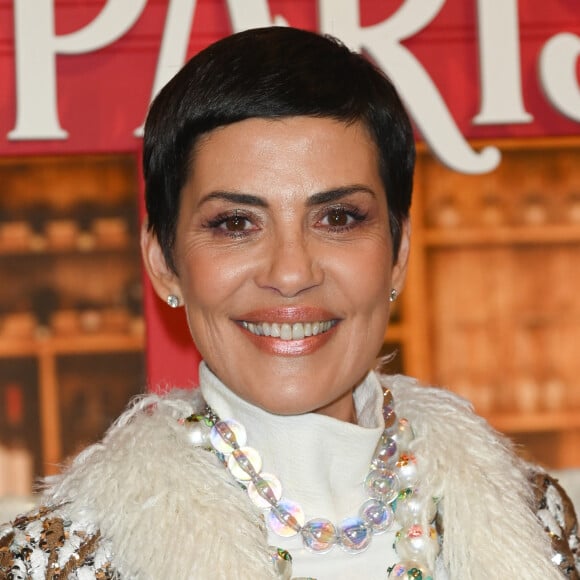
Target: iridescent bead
416,542
404,434
387,398
354,535
407,470
244,463
378,515
415,507
227,435
389,416
286,518
282,562
198,434
409,571
319,535
385,452
382,484
265,491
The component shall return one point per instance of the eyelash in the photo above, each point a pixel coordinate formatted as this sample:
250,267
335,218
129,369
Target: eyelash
219,220
354,214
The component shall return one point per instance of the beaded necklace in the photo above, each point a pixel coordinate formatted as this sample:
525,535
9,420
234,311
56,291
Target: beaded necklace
391,485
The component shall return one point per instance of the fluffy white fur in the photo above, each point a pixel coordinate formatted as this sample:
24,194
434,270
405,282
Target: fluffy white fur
489,529
169,510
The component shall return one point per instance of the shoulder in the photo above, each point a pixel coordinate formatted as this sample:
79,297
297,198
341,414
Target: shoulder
484,488
454,442
144,434
409,392
437,412
139,456
138,486
65,536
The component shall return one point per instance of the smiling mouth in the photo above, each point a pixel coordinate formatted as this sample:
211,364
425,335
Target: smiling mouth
287,331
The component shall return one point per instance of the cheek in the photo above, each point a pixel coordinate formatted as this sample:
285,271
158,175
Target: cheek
208,279
367,275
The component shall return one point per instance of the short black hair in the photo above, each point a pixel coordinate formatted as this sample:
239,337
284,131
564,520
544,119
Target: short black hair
271,73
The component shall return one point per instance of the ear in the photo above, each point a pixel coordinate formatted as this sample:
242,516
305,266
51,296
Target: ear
400,267
164,280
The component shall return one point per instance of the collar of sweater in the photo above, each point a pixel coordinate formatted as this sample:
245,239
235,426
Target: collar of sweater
322,463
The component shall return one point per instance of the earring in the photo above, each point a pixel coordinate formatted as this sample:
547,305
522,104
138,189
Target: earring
173,301
393,295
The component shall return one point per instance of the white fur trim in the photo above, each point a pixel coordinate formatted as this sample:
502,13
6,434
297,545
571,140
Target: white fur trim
168,510
489,529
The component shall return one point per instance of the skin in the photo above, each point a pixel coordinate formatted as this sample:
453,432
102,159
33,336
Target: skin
284,221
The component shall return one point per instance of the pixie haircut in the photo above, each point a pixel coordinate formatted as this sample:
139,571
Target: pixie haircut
271,73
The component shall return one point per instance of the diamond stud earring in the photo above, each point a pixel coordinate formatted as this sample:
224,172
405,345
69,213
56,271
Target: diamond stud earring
173,301
393,295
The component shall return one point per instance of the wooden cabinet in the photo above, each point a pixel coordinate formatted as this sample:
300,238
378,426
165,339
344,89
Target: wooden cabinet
71,325
492,304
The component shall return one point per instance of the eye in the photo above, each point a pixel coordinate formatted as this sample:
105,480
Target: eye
231,224
341,218
235,223
338,217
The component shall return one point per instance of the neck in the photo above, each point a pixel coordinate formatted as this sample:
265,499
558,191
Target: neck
342,408
321,462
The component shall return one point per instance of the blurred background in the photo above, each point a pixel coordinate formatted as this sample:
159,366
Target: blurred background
491,309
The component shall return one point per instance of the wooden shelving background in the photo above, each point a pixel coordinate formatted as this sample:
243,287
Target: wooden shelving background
491,308
71,323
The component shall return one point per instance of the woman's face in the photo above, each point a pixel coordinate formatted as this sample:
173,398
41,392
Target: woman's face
284,261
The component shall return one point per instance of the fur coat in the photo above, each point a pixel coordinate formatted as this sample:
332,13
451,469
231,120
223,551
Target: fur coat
144,504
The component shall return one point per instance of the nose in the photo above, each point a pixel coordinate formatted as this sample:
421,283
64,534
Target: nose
291,267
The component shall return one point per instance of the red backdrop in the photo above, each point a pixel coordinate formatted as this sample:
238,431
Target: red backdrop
102,96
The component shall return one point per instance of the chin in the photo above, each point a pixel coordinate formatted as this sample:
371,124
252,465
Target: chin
288,401
297,403
286,406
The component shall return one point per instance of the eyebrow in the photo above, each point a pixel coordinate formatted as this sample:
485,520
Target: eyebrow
240,198
336,194
315,199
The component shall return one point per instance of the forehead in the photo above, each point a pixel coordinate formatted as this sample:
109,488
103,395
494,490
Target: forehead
292,152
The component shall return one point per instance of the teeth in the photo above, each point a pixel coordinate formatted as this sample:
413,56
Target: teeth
297,331
287,331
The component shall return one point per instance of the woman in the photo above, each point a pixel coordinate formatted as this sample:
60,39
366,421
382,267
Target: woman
278,169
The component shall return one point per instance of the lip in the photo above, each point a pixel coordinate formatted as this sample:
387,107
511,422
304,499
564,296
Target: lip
288,314
277,346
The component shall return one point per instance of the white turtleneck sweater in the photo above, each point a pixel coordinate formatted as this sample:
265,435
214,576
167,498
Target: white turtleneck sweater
322,463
